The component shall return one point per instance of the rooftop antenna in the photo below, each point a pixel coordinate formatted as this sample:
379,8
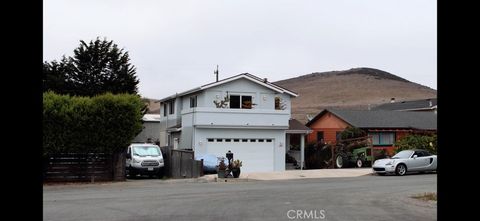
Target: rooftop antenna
216,73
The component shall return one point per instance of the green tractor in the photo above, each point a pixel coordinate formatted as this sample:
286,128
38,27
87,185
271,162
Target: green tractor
359,157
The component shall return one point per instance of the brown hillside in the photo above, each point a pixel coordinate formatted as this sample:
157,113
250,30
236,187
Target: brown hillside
350,89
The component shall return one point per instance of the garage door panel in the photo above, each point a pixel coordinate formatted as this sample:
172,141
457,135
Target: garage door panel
256,156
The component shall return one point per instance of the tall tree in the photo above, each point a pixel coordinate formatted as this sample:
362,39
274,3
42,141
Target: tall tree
97,67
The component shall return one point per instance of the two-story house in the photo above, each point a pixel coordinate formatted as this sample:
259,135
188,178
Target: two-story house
244,113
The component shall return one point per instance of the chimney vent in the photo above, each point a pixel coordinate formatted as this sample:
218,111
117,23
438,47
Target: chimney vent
265,80
392,100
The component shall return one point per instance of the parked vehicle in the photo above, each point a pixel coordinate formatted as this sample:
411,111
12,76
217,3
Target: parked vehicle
144,158
210,162
406,161
358,157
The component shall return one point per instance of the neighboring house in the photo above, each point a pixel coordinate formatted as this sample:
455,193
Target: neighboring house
151,126
244,113
412,105
385,127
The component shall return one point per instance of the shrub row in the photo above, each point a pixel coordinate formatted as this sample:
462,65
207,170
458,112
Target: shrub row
104,123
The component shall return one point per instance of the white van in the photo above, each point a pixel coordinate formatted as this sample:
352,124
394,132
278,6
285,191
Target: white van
144,158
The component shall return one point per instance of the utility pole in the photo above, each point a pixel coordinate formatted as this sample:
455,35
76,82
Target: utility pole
216,73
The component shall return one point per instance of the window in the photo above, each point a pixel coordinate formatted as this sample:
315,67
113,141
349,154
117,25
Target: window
219,140
210,140
260,140
247,102
337,135
193,101
244,140
172,107
234,101
269,140
236,140
319,136
418,153
244,100
165,109
277,103
252,140
228,140
426,153
383,139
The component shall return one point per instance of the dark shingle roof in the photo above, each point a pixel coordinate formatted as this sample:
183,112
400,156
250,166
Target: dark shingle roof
385,119
296,125
408,105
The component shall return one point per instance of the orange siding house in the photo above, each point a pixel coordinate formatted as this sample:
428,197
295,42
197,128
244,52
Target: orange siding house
385,127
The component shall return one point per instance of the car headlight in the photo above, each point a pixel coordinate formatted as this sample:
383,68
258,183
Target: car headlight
389,163
136,161
161,160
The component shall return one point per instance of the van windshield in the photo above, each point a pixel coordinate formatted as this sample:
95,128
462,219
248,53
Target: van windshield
146,151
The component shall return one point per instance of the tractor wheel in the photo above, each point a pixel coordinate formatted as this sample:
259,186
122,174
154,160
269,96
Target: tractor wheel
341,160
359,163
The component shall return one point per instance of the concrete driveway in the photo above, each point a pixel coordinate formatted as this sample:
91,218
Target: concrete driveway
298,174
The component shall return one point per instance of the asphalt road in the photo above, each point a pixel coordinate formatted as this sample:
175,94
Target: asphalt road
359,198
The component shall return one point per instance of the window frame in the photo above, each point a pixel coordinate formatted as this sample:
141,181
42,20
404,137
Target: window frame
171,109
240,100
193,101
380,142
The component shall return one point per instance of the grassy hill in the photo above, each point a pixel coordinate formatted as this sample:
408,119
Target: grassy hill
357,88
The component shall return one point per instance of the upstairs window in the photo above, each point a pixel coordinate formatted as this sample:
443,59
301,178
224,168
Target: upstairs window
172,106
165,109
241,102
193,101
279,104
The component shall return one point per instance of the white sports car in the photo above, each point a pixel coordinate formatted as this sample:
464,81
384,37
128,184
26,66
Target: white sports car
406,161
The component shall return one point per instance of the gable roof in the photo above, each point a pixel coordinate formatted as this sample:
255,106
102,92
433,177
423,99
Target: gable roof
384,119
294,126
423,104
247,76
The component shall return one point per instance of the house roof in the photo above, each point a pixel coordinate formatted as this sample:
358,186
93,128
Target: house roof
151,117
294,126
423,104
247,76
384,119
175,128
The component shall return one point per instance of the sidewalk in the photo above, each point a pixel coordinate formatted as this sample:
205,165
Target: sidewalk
292,174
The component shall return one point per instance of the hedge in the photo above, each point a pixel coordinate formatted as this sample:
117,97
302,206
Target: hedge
104,123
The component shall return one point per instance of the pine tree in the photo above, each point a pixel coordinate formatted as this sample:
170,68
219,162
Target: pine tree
97,67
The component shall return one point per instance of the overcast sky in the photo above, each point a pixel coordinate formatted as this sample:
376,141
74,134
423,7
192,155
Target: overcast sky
176,45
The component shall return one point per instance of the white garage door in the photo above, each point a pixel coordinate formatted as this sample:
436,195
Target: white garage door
256,154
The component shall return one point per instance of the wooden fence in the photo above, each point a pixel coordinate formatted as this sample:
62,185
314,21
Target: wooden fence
181,163
83,167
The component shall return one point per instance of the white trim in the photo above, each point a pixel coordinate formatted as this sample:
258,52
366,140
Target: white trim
270,86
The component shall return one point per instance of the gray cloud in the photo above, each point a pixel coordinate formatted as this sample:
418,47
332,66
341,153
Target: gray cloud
176,45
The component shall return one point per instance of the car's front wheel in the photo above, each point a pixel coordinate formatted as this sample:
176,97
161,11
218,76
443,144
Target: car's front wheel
401,169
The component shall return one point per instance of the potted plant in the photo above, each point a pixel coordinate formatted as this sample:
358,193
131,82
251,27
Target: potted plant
236,164
222,167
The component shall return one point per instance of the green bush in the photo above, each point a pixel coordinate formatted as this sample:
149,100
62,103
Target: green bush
104,123
352,132
427,142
